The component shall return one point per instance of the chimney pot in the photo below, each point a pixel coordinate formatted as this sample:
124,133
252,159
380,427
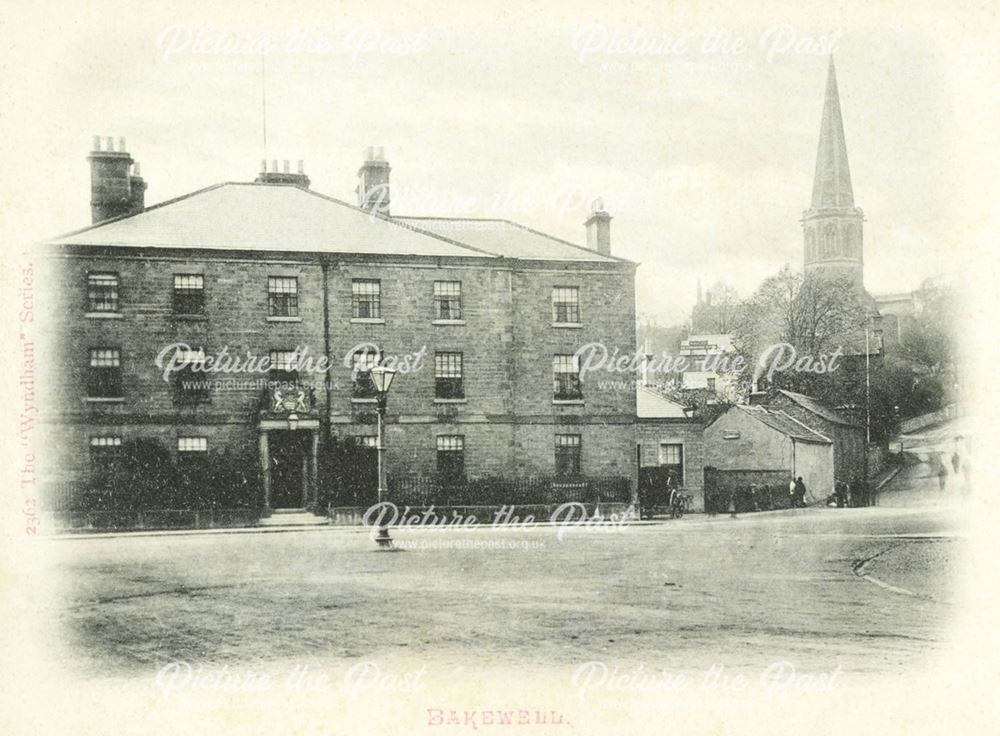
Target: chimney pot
116,185
370,153
302,168
283,174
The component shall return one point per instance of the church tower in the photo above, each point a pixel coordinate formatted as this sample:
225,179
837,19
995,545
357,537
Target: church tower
833,225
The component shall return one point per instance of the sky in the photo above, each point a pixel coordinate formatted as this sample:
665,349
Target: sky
697,128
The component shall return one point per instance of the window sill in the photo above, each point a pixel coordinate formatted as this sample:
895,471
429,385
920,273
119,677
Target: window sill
568,402
367,321
104,315
355,400
284,319
105,399
568,325
457,322
190,317
450,401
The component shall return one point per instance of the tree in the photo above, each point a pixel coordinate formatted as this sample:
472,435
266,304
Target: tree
718,313
806,318
929,338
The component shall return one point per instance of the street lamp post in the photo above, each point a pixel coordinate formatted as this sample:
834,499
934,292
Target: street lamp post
869,494
869,323
382,378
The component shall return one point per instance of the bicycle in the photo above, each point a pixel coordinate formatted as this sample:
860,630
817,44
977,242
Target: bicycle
681,505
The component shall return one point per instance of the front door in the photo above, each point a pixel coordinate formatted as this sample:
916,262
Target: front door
288,458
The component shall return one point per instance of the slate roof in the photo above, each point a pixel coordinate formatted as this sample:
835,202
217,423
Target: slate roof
785,424
650,404
286,217
816,407
508,239
283,217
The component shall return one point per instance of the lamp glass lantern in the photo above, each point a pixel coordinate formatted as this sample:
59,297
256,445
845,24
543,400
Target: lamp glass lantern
382,378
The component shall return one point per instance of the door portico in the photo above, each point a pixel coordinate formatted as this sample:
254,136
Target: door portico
289,462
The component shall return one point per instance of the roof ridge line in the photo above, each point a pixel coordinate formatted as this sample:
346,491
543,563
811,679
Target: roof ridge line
804,425
821,408
452,219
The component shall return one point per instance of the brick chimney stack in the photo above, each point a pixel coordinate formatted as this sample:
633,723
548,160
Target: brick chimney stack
137,184
757,397
599,229
115,188
373,182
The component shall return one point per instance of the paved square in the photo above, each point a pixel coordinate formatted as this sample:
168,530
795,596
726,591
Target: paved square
685,593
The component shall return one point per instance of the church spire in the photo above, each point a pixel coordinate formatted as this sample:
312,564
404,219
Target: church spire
833,226
832,183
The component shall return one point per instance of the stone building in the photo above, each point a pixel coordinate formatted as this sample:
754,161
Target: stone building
669,440
763,446
270,279
847,436
710,358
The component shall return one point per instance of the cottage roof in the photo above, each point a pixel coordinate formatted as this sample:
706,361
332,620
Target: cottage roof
816,407
785,423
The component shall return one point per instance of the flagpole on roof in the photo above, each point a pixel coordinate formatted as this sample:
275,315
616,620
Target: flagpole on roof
263,103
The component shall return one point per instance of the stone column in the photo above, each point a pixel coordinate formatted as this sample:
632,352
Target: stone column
306,482
313,468
636,475
265,463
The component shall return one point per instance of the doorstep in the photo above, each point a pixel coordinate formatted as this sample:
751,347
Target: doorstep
293,517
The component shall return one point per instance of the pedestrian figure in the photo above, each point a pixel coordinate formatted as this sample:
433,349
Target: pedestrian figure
791,493
800,492
673,500
848,495
732,504
956,462
942,472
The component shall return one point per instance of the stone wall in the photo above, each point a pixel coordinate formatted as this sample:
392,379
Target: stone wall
507,338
